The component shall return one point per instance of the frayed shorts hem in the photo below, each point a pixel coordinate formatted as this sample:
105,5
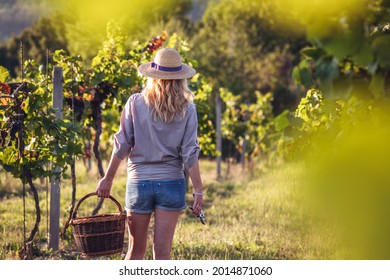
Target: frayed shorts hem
152,210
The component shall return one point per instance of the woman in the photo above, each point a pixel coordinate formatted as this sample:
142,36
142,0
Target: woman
158,135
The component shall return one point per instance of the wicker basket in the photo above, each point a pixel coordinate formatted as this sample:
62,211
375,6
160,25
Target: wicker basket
99,235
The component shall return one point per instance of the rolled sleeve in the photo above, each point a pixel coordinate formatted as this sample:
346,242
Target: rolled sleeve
190,146
124,138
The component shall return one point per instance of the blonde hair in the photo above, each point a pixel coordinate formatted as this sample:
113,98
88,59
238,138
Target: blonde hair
167,98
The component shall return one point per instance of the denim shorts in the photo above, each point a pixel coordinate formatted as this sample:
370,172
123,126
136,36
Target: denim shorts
145,196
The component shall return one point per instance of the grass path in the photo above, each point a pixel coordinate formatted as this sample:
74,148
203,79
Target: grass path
248,217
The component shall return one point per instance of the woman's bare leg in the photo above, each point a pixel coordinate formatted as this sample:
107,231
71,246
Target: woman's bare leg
164,229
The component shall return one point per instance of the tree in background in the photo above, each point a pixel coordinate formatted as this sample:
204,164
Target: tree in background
46,33
16,15
240,49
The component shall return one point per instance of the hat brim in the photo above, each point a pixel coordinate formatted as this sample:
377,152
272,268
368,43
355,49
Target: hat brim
185,73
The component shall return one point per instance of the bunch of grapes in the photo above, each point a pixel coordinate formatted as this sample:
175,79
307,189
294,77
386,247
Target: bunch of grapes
155,43
5,88
11,126
95,95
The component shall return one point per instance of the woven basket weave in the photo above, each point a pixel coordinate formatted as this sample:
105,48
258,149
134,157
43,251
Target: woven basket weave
99,235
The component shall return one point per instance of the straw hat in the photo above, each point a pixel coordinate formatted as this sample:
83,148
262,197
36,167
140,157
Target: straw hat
167,65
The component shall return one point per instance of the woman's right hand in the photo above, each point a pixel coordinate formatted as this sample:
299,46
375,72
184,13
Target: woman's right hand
198,204
103,188
194,173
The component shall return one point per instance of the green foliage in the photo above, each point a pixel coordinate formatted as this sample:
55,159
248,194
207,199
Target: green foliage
314,118
346,67
249,122
206,130
350,54
46,139
4,74
115,64
302,75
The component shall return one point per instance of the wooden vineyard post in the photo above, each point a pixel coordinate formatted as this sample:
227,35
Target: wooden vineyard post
54,232
244,141
219,134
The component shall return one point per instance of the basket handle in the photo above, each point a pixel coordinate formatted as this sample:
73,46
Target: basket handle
89,195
